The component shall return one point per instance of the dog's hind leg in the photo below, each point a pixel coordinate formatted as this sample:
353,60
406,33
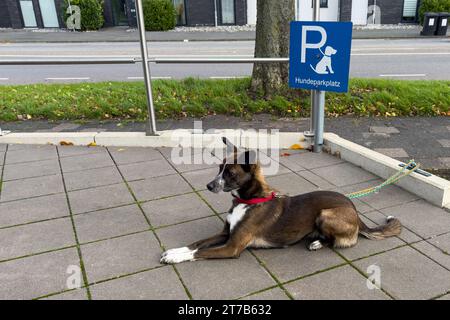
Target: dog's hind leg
340,225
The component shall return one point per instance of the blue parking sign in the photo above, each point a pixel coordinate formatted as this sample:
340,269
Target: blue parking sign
319,55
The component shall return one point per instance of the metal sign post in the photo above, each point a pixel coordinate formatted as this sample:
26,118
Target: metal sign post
151,125
319,61
317,100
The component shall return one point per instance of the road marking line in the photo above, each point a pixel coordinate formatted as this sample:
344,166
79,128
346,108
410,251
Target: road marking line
227,77
400,53
141,78
81,78
404,75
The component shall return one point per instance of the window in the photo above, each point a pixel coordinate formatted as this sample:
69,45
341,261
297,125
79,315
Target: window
227,11
323,3
410,10
29,19
180,10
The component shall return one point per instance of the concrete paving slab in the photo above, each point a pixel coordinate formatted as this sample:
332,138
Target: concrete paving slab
176,209
434,253
343,283
310,160
31,169
3,147
2,157
389,196
159,187
185,167
446,297
28,154
120,256
35,238
272,294
232,278
144,170
70,151
76,294
200,178
86,162
421,217
126,155
38,275
109,223
92,178
442,241
444,142
297,261
220,202
383,129
405,274
31,187
316,180
343,174
291,184
99,198
34,209
160,283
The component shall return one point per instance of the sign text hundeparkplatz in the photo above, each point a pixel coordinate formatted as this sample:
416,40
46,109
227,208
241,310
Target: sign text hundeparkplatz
320,55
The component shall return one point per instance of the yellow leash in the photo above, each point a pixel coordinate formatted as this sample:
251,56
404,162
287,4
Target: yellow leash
406,170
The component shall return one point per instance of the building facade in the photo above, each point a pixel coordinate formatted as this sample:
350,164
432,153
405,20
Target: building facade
49,13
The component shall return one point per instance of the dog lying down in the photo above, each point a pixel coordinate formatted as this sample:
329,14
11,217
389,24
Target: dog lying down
260,219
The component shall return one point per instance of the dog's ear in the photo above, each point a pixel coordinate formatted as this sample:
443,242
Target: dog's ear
230,146
248,160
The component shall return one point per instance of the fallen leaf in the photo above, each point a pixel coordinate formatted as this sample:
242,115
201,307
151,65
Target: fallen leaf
92,144
285,154
66,143
296,147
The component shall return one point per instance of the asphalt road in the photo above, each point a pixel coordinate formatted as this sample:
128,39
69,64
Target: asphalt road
377,58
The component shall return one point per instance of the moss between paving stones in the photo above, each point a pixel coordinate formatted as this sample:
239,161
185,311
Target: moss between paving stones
197,98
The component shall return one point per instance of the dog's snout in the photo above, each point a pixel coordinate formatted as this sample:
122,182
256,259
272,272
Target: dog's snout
210,186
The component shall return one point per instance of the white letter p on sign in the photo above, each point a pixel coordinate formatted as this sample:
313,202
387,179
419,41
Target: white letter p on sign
306,45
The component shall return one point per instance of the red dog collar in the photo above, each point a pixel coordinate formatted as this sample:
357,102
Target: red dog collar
256,200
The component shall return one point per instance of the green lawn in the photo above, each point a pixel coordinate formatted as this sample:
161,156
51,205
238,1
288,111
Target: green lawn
195,97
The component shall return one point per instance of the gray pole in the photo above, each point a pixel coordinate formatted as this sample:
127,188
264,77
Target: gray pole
151,125
215,13
318,100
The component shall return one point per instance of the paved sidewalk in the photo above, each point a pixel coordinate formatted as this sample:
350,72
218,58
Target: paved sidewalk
111,212
121,34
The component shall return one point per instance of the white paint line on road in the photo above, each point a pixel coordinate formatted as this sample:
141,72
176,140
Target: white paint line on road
227,77
400,53
404,75
141,78
80,78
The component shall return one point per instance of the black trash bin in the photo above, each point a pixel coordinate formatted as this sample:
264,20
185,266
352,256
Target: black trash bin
430,20
442,24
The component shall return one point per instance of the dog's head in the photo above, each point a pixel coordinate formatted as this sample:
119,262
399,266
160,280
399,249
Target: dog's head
330,51
236,170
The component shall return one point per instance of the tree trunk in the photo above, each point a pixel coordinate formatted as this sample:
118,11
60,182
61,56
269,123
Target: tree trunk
272,40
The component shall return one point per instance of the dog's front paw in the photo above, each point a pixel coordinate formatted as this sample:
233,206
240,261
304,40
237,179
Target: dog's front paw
177,255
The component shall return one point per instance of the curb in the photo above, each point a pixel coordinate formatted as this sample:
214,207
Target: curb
434,189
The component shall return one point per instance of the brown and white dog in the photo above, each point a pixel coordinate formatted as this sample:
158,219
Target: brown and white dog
259,219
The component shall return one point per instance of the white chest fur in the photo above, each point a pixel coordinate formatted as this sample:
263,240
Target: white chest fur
237,215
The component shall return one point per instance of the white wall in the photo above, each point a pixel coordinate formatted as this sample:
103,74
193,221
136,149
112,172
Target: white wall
251,12
326,14
359,12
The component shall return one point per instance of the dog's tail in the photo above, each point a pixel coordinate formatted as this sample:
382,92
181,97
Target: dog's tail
313,68
393,227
